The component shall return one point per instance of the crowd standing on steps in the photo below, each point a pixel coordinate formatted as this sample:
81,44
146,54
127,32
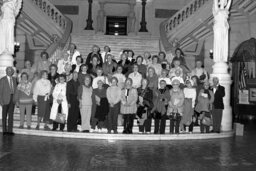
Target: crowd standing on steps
99,92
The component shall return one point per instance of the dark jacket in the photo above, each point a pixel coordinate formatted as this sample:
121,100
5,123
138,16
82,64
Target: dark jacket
5,90
218,97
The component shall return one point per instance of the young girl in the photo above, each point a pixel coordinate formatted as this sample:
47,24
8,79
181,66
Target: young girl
59,98
161,99
114,97
24,99
41,96
190,97
101,106
129,98
85,98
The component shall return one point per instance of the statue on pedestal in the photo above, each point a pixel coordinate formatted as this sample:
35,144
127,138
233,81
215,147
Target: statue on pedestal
221,30
10,9
131,22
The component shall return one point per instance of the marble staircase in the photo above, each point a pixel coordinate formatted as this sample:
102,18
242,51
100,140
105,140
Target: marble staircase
103,135
117,43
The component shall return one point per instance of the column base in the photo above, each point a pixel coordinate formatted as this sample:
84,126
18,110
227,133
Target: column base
6,60
220,70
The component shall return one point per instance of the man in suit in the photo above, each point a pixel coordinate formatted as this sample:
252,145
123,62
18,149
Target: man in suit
8,86
218,105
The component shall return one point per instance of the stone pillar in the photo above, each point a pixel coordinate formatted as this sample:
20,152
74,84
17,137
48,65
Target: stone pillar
100,19
89,18
131,20
220,57
143,23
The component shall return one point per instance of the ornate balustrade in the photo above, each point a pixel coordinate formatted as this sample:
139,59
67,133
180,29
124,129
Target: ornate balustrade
173,24
61,39
52,12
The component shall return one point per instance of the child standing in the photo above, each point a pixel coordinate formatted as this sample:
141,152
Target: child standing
85,98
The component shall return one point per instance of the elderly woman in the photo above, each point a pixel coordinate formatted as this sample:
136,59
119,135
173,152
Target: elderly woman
63,62
72,53
125,63
156,65
29,70
129,98
136,76
41,94
175,106
145,104
204,105
199,71
43,64
152,78
24,99
95,52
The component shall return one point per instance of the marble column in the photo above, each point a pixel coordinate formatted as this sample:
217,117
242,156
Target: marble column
131,20
100,18
89,18
143,23
220,57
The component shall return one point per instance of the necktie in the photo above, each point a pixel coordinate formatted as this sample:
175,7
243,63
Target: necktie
11,85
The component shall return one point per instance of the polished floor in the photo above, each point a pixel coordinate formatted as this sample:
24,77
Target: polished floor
26,152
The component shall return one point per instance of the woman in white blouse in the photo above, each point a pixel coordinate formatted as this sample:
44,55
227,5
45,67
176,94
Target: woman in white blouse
41,96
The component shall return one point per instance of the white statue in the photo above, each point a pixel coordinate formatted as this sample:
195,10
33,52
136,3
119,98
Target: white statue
221,30
10,9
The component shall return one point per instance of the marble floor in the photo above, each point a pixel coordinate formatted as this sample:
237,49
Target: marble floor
25,153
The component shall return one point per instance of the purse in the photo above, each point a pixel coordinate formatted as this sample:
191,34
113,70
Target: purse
60,118
207,121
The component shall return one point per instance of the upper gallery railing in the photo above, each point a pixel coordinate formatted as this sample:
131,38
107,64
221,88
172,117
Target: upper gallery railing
169,25
64,23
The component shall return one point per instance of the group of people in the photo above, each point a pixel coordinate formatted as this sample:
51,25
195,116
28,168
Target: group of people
95,91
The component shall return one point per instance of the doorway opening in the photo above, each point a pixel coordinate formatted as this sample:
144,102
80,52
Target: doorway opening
116,25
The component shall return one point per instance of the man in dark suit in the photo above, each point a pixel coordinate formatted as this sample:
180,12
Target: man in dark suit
218,105
8,86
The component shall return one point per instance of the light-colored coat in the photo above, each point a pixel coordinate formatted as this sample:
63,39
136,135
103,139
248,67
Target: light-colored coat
128,103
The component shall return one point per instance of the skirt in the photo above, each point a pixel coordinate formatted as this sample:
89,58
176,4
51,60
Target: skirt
188,112
43,107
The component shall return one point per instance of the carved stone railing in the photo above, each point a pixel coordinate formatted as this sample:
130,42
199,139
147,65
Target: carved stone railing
62,38
170,25
52,12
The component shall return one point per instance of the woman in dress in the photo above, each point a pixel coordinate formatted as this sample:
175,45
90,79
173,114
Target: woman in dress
100,105
129,98
41,96
59,98
189,104
175,106
204,106
152,79
145,104
24,99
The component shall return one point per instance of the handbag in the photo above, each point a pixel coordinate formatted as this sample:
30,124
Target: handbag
60,118
174,116
207,121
